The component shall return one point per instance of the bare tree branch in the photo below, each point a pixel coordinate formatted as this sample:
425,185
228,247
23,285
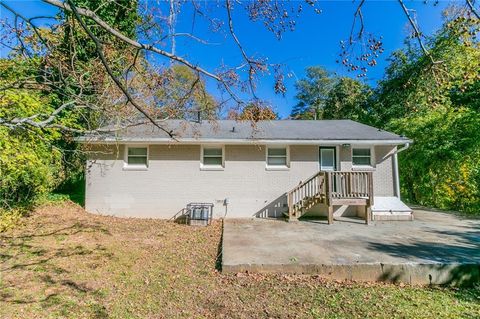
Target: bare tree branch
29,21
119,35
172,20
253,64
138,80
48,123
358,13
473,9
188,35
417,34
99,49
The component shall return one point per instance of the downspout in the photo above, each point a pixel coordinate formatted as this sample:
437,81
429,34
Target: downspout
396,175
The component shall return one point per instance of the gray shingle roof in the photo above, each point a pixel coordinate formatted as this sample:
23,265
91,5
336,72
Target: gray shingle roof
229,130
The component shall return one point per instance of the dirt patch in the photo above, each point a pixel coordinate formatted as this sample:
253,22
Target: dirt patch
64,262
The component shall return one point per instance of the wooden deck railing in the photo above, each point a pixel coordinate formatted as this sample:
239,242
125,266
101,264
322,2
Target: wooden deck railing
350,184
328,187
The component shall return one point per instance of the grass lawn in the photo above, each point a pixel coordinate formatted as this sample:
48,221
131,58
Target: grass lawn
63,262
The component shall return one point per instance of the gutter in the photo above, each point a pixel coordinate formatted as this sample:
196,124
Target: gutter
396,175
228,141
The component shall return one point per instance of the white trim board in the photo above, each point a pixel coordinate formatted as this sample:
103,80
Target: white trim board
194,141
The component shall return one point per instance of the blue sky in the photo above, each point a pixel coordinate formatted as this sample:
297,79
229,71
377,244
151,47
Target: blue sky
314,42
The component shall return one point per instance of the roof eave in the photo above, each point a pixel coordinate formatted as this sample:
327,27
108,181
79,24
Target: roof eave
110,140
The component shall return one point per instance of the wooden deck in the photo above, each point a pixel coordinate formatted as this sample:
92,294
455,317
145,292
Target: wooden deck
332,188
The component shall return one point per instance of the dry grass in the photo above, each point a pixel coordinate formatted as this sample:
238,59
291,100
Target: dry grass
63,262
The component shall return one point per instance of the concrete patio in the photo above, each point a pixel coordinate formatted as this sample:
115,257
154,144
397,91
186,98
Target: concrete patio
435,248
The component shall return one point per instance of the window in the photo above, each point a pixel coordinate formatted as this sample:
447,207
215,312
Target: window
361,157
212,157
277,157
137,157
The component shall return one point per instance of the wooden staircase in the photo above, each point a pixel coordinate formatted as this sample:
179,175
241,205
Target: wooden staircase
332,188
306,195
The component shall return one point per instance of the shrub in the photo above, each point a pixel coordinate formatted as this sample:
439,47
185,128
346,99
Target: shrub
10,217
442,168
30,165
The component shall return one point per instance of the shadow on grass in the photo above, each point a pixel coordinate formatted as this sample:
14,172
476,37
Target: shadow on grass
76,228
36,266
45,299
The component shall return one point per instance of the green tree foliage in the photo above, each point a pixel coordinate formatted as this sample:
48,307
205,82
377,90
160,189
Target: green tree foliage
348,99
78,54
413,84
312,93
322,95
29,163
432,98
75,53
120,14
437,105
442,167
73,42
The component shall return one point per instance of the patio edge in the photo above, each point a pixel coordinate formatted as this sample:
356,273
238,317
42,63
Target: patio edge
455,274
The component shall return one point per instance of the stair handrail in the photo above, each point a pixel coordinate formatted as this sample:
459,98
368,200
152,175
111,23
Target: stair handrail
291,194
302,183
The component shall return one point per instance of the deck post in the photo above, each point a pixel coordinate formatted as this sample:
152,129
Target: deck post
290,205
368,214
329,187
330,214
370,189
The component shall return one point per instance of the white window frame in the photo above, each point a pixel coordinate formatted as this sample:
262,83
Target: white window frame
277,167
135,167
207,167
371,166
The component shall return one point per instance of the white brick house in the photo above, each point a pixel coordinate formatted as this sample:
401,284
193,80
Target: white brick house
267,170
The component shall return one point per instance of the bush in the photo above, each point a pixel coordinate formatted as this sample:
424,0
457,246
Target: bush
9,218
30,165
442,168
